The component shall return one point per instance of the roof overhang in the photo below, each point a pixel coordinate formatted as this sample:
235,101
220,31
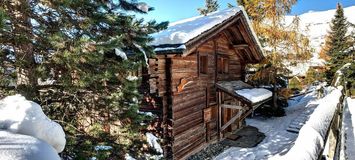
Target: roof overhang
251,50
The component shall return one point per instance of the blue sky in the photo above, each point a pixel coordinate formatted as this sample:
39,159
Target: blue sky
173,10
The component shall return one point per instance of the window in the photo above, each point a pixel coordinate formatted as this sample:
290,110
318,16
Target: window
223,65
203,64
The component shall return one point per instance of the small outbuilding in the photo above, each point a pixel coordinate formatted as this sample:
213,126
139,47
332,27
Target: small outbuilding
196,80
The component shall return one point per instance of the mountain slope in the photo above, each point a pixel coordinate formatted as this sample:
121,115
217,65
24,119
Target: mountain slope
315,24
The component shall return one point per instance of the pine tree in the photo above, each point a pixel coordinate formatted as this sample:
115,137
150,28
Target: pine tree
284,44
350,72
82,48
338,31
337,43
210,6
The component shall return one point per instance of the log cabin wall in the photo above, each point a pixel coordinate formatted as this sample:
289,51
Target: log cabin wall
187,106
159,95
182,83
193,127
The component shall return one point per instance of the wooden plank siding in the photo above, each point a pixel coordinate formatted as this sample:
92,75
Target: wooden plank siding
188,95
189,127
187,106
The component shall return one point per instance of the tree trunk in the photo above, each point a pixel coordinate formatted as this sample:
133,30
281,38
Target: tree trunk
26,81
274,99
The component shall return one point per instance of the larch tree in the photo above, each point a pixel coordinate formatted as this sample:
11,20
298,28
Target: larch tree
210,6
284,44
337,44
75,58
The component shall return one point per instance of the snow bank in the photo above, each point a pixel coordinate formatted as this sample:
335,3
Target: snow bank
348,138
255,94
182,31
15,146
312,135
21,116
153,142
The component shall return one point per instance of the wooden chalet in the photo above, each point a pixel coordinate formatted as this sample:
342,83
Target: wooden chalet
191,82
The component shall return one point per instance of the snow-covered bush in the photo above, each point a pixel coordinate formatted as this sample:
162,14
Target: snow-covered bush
21,116
15,146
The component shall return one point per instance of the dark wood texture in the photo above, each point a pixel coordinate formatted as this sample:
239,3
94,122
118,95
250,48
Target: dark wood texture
186,84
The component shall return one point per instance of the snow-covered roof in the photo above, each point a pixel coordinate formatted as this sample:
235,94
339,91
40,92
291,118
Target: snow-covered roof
181,32
244,91
184,30
255,95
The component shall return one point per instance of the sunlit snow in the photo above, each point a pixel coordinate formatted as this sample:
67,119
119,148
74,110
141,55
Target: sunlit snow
21,116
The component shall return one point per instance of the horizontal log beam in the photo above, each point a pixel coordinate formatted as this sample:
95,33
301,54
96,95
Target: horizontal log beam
231,106
240,46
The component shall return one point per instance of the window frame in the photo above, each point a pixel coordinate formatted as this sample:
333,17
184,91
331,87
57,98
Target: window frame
202,64
222,64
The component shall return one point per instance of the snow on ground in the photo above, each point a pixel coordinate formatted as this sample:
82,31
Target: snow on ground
310,140
14,146
278,140
21,116
255,94
153,142
349,128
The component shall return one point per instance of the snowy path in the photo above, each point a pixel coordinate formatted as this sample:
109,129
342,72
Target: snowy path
349,125
298,122
278,140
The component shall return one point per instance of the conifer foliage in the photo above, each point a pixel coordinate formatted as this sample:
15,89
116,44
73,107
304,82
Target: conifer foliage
338,42
75,58
210,6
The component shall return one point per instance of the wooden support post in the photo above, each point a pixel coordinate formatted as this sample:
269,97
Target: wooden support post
166,105
230,121
219,114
